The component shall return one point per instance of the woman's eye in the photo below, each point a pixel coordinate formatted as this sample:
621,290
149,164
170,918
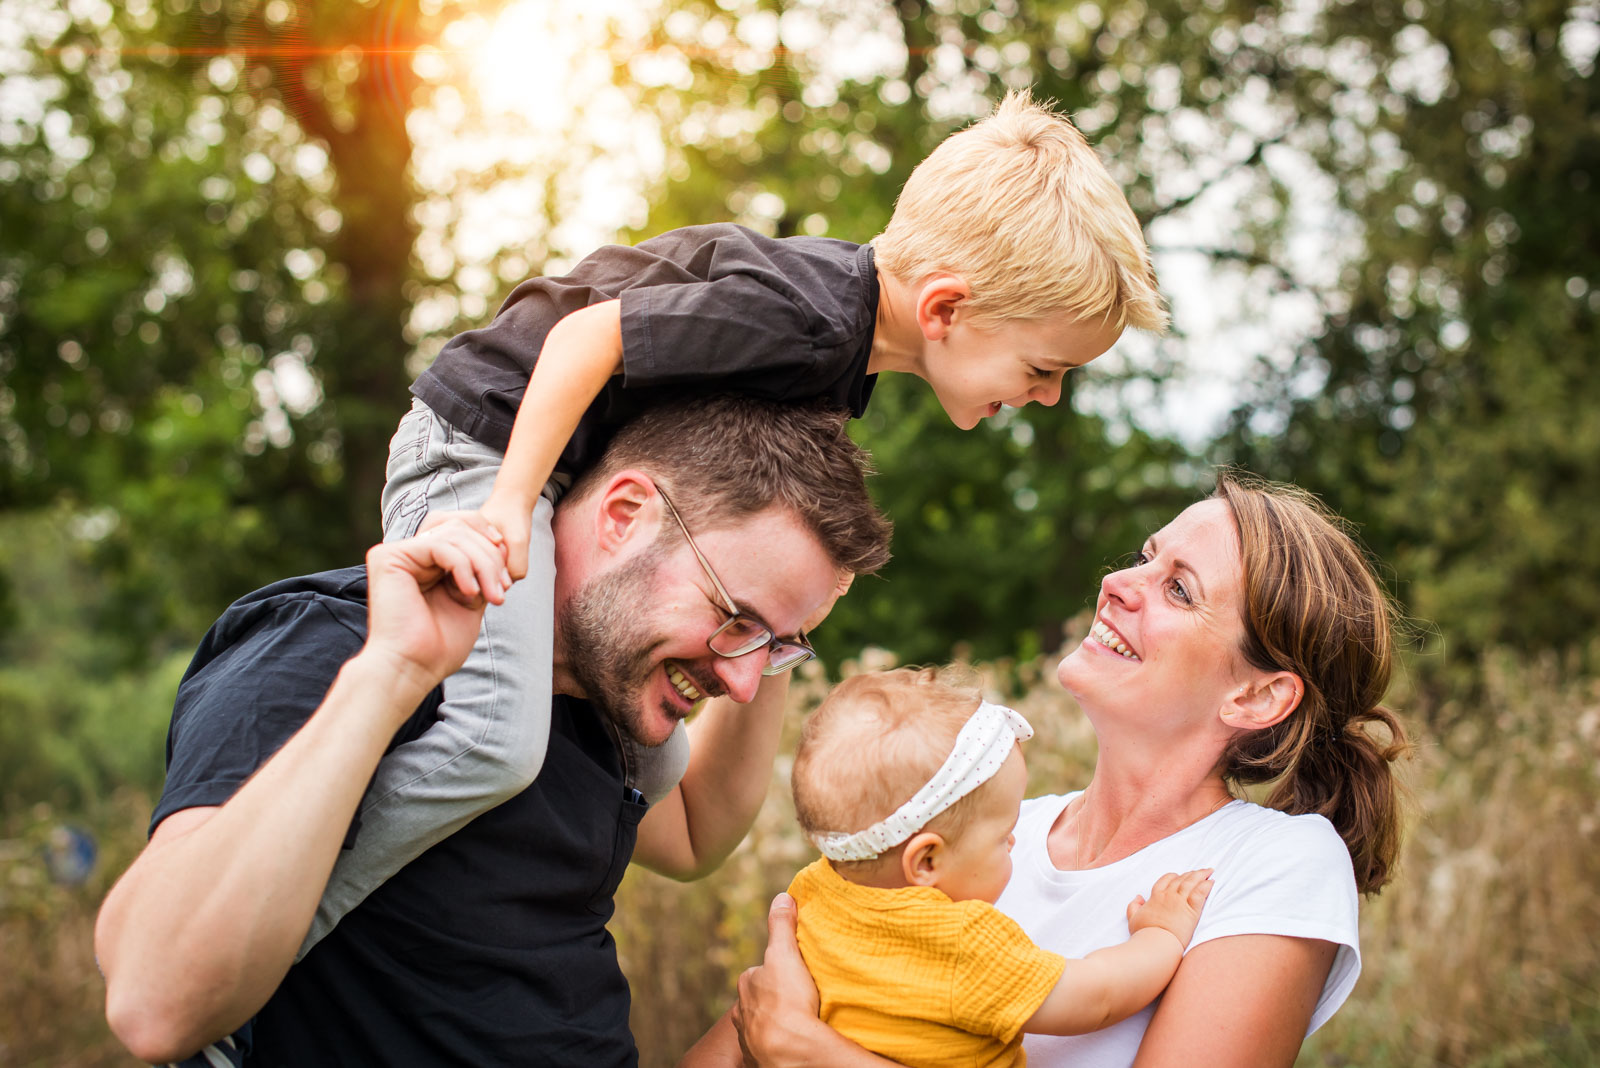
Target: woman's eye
1180,591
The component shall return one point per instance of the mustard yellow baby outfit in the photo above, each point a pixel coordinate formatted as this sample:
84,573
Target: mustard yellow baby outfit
918,978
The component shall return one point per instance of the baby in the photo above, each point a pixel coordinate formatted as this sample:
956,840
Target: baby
909,784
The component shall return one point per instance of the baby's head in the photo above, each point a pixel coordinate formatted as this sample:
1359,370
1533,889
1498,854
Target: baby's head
1021,208
873,746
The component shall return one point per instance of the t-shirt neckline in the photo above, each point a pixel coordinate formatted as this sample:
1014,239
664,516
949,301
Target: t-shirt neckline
1046,867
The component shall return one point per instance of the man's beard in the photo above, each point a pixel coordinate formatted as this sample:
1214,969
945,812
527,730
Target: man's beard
609,644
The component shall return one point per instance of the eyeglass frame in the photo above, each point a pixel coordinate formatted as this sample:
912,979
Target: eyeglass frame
772,643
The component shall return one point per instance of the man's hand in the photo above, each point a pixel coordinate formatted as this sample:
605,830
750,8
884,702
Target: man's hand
426,595
778,1001
1174,904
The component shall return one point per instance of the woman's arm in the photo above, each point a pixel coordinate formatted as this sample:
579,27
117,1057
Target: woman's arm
1238,1002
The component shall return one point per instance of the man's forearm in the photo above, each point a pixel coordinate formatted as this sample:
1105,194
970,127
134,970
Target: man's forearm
732,747
198,933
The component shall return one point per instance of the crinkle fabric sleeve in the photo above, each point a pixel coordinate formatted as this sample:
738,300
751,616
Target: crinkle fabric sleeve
1001,978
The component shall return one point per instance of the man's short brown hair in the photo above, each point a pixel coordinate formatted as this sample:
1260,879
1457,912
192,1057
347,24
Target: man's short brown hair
723,458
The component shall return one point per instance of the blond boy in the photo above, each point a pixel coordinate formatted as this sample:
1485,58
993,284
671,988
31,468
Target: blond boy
1011,258
910,785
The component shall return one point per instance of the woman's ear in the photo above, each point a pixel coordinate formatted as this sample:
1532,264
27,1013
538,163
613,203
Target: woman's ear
919,859
623,510
939,304
1263,701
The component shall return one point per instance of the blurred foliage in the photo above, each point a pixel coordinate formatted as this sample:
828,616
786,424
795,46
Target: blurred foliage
1454,415
209,286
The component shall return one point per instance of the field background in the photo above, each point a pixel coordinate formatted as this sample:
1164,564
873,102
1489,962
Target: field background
233,231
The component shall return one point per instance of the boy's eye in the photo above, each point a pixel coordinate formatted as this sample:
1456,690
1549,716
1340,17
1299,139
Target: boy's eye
1039,372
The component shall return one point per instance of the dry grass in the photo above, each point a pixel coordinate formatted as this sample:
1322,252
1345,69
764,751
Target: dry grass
1485,952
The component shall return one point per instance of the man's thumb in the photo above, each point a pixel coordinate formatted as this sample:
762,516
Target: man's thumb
781,918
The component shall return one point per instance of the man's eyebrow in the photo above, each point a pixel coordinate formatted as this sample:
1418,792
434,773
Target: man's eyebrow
746,611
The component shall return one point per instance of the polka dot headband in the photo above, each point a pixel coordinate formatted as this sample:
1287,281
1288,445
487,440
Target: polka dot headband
980,749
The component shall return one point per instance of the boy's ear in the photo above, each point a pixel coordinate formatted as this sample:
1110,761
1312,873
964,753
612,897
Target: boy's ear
626,504
1264,701
919,859
939,304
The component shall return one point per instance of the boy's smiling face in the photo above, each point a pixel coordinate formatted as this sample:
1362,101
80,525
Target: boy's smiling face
974,370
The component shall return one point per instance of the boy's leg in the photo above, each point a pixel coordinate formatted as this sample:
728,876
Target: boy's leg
493,727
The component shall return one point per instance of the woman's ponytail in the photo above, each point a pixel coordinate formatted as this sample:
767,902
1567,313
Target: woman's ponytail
1314,608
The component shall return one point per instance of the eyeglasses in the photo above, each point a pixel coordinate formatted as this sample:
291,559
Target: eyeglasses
740,634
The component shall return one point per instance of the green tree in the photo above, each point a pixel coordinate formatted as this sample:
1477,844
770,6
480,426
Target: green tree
202,290
1455,411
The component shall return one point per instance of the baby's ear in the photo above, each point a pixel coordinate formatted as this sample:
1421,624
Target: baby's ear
920,857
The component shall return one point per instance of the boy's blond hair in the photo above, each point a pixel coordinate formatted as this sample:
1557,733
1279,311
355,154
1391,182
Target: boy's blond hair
1020,207
874,742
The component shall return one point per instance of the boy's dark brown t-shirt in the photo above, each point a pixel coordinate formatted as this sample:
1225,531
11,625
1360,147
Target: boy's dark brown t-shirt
705,309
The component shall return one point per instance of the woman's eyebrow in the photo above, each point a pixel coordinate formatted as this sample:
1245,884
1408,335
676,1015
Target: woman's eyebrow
1194,576
1179,564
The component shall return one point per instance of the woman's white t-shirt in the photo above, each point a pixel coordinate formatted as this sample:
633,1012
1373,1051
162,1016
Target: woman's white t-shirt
1275,874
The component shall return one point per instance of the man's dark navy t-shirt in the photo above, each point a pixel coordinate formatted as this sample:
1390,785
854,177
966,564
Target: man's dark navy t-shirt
705,309
491,948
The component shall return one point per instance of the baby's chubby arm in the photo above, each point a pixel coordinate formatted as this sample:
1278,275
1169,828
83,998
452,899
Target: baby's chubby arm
1113,983
580,354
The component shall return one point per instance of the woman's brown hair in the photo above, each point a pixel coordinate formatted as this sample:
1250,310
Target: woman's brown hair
1314,607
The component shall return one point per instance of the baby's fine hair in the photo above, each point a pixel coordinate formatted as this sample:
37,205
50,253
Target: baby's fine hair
1021,207
874,742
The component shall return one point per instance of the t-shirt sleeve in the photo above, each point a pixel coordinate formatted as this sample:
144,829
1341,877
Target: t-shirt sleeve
1001,978
1290,878
736,334
260,675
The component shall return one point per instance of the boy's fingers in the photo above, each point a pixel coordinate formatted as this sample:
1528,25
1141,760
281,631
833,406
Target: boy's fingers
1163,883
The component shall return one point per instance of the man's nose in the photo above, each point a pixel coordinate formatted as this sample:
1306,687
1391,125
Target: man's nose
741,675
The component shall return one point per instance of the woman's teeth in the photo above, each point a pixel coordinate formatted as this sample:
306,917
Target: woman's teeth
1108,638
681,683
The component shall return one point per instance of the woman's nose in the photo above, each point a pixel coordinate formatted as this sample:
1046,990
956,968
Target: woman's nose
1124,585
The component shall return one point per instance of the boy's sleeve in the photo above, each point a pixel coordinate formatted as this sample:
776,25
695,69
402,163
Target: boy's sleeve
1001,977
736,332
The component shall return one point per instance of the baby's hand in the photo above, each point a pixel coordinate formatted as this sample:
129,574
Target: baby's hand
1174,904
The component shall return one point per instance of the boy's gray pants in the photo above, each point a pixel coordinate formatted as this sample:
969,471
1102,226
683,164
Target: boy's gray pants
494,724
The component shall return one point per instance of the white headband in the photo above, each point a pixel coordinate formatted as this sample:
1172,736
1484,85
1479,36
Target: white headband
980,749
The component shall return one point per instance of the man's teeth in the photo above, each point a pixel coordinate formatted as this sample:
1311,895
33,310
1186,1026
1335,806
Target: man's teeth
1108,638
681,683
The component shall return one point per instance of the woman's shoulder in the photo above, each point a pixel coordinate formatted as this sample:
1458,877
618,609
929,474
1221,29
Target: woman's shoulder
1268,834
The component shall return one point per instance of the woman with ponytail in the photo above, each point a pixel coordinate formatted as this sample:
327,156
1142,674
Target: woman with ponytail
1249,643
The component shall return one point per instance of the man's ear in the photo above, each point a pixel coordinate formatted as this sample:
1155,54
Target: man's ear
1263,701
626,505
919,859
940,303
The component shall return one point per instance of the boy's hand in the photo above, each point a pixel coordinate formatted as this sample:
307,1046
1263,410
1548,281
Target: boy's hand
426,596
1174,904
511,518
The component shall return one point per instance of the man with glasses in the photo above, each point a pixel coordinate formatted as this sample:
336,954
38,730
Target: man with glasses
491,947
